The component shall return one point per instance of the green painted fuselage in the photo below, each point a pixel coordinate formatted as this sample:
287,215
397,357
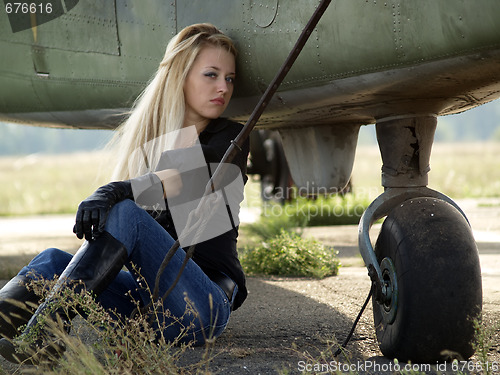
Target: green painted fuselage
366,60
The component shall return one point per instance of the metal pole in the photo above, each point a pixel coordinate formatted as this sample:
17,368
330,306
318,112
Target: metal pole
237,143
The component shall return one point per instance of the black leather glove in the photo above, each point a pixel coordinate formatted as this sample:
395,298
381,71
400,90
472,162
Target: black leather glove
93,211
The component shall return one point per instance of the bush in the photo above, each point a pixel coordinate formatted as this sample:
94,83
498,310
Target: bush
290,255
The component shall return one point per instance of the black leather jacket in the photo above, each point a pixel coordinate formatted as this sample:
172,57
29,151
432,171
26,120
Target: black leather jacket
219,253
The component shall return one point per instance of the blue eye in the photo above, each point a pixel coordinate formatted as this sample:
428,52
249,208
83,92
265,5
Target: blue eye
211,75
230,79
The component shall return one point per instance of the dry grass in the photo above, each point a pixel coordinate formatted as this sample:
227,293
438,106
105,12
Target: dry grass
38,184
459,170
108,346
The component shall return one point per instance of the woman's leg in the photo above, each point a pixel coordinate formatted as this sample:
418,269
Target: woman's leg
196,305
17,305
94,267
15,315
147,243
47,265
119,295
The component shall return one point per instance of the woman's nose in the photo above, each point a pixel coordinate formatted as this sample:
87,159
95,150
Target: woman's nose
223,86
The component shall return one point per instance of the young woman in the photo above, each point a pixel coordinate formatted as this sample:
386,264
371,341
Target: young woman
188,94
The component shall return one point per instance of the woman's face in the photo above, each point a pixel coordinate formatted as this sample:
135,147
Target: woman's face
209,86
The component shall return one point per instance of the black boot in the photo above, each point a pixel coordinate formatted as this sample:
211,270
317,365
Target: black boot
17,305
92,268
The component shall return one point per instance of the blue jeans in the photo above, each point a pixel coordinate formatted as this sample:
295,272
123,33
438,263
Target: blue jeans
190,310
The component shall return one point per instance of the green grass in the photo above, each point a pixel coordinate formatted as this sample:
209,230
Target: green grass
267,227
321,211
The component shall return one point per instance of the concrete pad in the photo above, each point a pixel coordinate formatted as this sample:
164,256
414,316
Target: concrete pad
287,323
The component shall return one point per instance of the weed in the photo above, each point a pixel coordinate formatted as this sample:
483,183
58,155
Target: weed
290,255
484,342
117,344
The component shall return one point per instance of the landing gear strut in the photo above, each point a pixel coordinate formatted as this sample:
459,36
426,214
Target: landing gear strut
425,271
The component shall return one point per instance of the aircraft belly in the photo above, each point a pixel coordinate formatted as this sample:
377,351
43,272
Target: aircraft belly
365,60
357,37
437,87
82,119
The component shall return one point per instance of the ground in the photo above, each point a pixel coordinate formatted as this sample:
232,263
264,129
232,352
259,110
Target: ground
288,325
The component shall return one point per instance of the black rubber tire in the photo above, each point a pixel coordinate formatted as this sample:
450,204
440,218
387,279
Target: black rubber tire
438,280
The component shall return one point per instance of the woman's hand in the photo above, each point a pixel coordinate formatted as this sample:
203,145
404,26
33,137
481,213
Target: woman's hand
172,182
93,211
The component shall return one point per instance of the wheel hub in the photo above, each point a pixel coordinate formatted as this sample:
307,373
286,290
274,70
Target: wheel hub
389,305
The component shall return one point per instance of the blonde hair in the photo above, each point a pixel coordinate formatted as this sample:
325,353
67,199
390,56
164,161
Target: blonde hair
160,108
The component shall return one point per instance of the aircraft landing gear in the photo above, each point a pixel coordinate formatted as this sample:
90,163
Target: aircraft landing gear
425,271
269,161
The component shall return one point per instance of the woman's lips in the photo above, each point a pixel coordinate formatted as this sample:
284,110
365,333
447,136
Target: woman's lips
218,101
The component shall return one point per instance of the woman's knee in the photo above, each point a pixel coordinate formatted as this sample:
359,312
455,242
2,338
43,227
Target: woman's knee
121,214
122,221
123,209
47,264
